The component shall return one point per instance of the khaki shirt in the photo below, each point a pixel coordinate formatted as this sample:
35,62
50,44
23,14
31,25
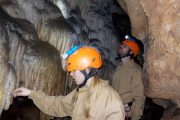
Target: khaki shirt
127,81
97,102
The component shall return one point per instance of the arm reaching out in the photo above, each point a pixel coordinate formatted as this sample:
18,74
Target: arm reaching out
57,106
21,92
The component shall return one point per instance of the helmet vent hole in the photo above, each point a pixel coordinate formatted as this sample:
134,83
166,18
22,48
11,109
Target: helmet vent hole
93,59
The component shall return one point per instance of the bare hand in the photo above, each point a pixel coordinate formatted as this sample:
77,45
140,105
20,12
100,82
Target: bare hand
21,92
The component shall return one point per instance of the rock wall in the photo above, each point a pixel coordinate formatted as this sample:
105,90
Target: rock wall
139,20
157,22
30,59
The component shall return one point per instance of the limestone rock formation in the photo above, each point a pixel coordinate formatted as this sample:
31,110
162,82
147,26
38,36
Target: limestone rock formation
158,23
139,20
27,58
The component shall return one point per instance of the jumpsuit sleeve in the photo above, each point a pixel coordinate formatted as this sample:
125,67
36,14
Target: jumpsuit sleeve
137,89
114,108
57,106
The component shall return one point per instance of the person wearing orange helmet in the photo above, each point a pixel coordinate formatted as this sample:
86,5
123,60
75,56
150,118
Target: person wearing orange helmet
127,80
93,99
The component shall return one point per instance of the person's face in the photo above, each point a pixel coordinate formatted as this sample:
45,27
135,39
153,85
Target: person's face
77,76
123,50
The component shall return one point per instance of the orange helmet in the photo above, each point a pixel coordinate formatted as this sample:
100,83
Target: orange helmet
83,58
133,46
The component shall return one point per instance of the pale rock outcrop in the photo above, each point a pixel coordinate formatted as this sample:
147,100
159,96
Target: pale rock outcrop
139,20
158,23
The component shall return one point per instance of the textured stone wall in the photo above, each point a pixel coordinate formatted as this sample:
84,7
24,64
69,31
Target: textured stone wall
31,41
158,22
139,21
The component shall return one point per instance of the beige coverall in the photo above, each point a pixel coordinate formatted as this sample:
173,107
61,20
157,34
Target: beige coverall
97,102
127,81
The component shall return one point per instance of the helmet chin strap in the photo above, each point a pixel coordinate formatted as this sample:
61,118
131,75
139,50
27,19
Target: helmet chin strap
87,76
